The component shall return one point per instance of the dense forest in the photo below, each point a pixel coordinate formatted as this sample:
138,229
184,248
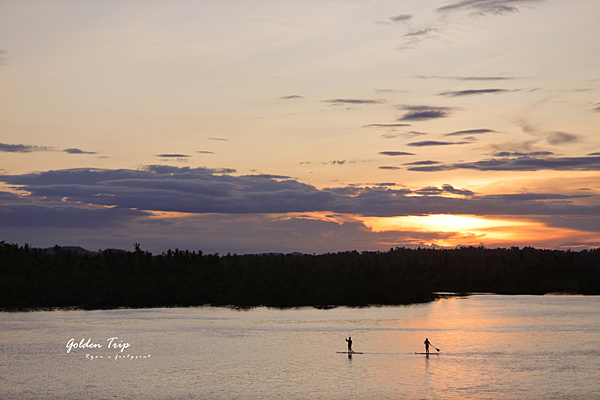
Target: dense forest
33,278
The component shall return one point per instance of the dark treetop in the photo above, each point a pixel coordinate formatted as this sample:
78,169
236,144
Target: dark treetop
67,277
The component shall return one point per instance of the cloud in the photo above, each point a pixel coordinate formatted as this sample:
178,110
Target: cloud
470,132
415,37
165,188
172,155
422,113
597,109
78,151
401,18
293,96
396,153
390,168
390,91
18,211
472,92
55,215
204,152
521,154
432,190
483,7
434,143
22,148
353,101
469,78
25,148
385,125
421,32
428,162
463,192
557,138
335,162
118,199
409,134
221,139
521,164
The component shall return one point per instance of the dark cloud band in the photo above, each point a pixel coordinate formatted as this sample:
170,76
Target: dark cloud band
53,195
521,164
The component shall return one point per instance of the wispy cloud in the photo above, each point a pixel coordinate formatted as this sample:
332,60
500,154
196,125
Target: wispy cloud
469,78
434,143
420,32
470,132
353,101
427,162
422,113
385,125
483,7
291,97
390,168
78,151
472,92
205,152
401,18
219,139
23,148
172,155
435,191
390,91
409,134
395,153
26,148
521,154
417,36
556,138
335,162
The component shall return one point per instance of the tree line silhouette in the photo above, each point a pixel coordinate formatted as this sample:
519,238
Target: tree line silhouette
32,278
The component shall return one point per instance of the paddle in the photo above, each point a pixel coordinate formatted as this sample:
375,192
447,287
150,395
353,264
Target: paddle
428,342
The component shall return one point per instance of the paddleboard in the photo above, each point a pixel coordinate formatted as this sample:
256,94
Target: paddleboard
348,352
427,353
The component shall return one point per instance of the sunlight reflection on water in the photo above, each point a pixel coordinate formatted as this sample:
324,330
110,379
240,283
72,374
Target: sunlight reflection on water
492,347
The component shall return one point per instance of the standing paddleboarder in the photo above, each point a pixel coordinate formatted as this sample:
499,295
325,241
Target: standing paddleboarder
349,340
427,344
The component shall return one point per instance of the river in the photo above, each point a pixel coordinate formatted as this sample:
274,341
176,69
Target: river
491,347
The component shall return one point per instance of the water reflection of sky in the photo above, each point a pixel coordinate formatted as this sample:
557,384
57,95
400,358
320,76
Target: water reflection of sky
492,347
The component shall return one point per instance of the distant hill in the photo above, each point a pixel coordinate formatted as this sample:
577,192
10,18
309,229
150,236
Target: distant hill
74,249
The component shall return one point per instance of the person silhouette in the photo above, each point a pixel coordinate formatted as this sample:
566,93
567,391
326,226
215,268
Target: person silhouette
427,346
349,340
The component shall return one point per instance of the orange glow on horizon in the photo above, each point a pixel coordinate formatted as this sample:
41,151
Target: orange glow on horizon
443,230
453,230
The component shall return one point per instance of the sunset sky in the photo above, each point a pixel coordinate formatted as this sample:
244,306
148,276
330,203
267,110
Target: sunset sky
300,126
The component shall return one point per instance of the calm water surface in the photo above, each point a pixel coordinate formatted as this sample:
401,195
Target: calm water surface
492,347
